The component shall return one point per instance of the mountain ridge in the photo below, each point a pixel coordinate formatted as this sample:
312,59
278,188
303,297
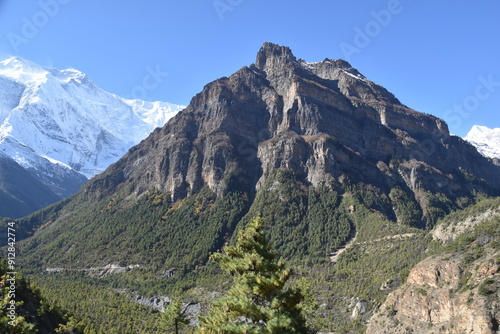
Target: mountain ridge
62,128
21,193
364,112
50,97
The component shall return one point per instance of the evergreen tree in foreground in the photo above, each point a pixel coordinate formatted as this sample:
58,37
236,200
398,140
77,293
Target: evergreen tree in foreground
173,317
257,302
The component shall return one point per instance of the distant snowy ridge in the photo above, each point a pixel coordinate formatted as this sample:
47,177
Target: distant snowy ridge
59,121
486,140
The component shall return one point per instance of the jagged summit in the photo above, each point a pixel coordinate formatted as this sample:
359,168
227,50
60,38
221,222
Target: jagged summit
286,113
271,54
281,67
274,57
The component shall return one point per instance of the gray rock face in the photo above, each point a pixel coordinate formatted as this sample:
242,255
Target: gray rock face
324,120
359,309
159,303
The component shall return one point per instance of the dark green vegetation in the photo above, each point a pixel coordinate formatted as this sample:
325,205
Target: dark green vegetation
101,310
307,223
307,226
174,318
25,310
406,208
140,231
258,301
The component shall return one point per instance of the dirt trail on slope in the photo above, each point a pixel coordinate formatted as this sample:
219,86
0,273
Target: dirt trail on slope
396,236
351,239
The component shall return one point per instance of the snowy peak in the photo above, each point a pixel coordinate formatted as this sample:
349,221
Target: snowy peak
486,140
21,70
26,71
62,128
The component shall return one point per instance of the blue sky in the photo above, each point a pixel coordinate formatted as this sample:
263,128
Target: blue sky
438,57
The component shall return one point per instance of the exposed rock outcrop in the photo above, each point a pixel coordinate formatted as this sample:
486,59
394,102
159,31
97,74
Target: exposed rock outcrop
451,293
449,232
160,303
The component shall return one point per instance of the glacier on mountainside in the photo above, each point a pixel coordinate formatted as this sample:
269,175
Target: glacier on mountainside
60,123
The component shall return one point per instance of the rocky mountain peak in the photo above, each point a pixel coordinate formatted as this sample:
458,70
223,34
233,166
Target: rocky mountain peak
324,120
271,55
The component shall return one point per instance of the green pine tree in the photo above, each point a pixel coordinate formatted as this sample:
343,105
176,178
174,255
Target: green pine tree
258,301
173,317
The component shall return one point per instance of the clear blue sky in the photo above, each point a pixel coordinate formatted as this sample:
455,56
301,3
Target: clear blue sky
435,56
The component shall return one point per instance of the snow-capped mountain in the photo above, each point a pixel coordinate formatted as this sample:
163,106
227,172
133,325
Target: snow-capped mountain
486,140
59,124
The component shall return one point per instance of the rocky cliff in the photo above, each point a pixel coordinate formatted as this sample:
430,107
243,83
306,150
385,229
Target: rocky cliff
454,292
324,120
